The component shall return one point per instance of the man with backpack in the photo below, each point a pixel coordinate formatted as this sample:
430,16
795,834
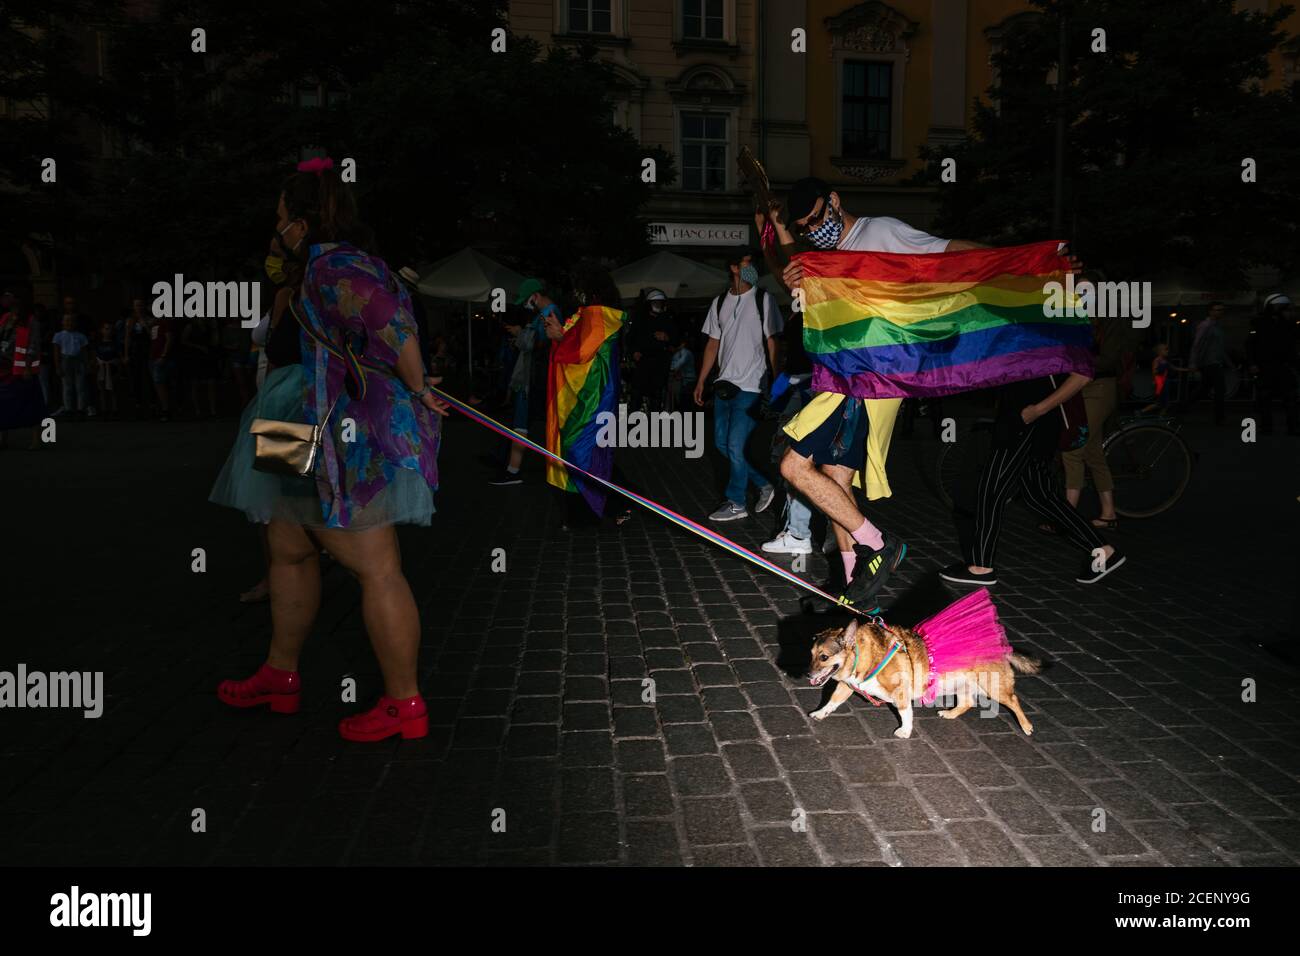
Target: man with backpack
743,326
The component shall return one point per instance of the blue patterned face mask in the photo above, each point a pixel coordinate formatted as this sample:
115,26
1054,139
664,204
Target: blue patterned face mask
827,235
749,275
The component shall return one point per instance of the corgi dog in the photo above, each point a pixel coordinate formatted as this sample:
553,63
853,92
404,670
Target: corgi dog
853,656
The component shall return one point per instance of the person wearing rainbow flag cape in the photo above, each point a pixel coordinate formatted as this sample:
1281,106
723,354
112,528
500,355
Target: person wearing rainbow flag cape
582,382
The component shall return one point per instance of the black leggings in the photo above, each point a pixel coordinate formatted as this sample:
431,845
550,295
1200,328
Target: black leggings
1008,466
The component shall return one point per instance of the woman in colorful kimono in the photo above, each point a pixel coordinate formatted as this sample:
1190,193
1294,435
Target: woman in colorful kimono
364,382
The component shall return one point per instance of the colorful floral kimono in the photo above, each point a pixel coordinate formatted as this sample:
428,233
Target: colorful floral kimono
379,457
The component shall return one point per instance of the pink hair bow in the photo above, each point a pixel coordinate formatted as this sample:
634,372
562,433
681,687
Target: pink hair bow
315,165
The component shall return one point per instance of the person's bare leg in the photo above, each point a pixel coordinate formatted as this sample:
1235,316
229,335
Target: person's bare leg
387,605
262,587
516,456
823,491
294,575
1107,499
843,477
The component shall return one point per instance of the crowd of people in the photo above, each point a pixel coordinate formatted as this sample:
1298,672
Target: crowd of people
132,364
341,428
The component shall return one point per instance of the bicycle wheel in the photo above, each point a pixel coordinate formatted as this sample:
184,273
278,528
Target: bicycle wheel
1151,465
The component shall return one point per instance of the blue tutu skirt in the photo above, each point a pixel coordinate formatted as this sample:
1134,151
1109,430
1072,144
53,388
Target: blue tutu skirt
258,493
407,499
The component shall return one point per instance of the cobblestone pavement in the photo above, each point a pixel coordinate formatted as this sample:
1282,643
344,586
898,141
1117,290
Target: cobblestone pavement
534,682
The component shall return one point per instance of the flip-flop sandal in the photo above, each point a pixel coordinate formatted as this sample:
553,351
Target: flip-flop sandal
624,518
1106,524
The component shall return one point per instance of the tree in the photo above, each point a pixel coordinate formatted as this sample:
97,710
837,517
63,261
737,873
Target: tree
38,77
1158,127
453,142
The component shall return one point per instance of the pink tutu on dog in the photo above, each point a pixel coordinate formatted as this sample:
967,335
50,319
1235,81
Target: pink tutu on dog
965,633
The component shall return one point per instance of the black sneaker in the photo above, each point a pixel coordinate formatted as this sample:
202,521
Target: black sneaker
960,573
867,610
1091,574
505,477
872,570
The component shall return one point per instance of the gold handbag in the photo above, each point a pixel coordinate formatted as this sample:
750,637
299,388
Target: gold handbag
287,448
292,448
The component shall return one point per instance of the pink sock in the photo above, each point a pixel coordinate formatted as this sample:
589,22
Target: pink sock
869,535
850,560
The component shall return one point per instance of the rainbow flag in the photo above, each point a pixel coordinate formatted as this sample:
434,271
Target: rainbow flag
884,325
582,382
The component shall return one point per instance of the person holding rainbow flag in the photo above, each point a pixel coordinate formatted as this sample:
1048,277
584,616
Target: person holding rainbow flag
910,314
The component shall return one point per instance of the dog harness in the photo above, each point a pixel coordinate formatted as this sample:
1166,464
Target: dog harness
855,683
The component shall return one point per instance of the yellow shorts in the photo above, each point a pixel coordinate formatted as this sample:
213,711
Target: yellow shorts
881,413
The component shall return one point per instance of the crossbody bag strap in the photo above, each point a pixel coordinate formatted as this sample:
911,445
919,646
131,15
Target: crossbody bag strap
354,364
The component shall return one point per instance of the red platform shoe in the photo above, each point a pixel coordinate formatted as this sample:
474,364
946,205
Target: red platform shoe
409,717
270,685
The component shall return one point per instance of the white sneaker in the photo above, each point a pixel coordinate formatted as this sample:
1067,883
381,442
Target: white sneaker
764,499
730,511
786,543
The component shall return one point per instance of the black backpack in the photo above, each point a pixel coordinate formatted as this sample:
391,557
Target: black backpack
760,294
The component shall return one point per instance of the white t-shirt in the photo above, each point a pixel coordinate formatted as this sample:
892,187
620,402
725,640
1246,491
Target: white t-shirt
742,348
887,234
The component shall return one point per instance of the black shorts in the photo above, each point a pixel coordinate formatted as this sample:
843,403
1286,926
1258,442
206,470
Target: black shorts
841,437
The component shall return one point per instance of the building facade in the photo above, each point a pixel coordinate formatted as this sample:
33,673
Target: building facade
852,99
841,90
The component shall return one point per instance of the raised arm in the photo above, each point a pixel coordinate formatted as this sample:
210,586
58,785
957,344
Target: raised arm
1071,387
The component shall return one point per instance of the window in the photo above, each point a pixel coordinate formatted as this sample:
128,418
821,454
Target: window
312,94
867,104
704,151
702,20
309,95
590,16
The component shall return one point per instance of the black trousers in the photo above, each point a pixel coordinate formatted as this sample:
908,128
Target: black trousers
1011,465
1212,380
648,381
577,510
1276,382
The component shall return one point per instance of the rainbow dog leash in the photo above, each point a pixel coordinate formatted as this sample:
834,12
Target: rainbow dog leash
356,369
695,528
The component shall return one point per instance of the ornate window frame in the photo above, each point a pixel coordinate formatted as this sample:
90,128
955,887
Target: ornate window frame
618,35
729,43
707,88
871,32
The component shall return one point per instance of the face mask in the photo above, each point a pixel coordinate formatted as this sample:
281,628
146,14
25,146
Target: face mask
749,275
275,269
827,235
294,251
530,305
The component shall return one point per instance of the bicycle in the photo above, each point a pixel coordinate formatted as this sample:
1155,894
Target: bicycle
1148,458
